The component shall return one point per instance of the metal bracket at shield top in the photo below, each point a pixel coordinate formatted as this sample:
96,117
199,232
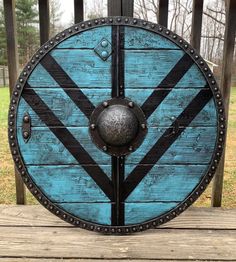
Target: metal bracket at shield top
103,49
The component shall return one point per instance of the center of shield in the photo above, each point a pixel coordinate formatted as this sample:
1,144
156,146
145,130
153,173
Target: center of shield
117,125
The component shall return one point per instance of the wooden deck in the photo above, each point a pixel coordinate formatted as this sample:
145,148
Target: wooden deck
31,233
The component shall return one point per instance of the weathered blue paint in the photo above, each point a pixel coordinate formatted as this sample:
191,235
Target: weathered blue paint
147,68
173,105
194,146
44,148
62,106
70,115
64,183
84,67
22,109
167,183
87,39
140,212
41,78
137,38
192,79
96,212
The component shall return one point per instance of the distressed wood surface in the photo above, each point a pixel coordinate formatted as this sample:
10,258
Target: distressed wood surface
70,114
192,218
175,185
137,38
70,242
194,146
68,183
62,106
187,149
87,39
84,67
36,235
5,259
140,63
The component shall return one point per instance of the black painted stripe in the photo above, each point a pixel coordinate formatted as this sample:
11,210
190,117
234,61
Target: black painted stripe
162,145
117,209
64,81
170,81
69,141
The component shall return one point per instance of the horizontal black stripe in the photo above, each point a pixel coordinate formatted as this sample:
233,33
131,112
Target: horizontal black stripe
64,81
162,145
70,142
170,81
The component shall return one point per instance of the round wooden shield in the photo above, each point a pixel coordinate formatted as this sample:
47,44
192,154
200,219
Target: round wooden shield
116,125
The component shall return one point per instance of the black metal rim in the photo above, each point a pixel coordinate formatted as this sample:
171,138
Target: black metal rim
47,47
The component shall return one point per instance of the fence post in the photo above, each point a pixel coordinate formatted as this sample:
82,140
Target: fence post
114,7
78,11
225,85
128,8
12,56
44,22
196,24
163,12
4,76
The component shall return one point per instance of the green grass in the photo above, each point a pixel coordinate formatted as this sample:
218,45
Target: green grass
7,185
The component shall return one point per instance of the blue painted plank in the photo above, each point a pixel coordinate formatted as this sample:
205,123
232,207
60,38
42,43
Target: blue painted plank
62,106
65,109
193,78
147,68
140,212
138,38
41,78
94,212
87,39
173,105
44,148
67,183
25,108
194,146
167,183
84,67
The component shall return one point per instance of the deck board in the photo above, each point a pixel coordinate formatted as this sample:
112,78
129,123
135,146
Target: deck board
31,233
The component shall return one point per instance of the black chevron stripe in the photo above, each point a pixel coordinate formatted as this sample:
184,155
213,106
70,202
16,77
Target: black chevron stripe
170,81
69,141
162,145
64,81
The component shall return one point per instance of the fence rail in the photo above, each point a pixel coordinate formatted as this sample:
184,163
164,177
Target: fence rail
126,7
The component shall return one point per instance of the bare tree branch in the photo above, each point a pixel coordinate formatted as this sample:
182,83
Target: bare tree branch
212,17
213,37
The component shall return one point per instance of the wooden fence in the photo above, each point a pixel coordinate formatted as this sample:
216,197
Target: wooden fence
4,76
125,8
